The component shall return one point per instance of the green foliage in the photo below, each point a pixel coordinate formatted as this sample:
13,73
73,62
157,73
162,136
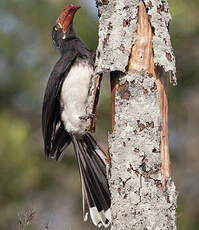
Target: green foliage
17,162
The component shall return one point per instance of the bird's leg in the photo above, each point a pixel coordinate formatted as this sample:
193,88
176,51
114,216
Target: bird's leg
88,116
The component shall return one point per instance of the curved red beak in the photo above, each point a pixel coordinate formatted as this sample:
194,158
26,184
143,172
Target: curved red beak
66,16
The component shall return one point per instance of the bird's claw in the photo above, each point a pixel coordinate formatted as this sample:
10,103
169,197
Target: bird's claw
86,117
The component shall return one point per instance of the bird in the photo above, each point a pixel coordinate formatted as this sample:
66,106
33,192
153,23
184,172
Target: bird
64,117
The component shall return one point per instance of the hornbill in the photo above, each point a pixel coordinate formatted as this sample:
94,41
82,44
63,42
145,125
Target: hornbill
64,117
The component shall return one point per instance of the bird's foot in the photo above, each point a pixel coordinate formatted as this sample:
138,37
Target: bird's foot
86,117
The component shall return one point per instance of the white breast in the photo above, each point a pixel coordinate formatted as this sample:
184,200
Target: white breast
74,96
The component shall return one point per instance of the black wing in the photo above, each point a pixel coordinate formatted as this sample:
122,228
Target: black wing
56,139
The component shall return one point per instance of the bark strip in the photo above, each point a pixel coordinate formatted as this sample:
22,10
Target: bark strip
94,98
117,28
142,54
114,87
161,82
160,18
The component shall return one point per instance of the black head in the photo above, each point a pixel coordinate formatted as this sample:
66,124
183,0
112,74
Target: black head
63,29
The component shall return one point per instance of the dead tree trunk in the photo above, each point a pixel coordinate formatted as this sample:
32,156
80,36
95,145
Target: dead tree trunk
134,46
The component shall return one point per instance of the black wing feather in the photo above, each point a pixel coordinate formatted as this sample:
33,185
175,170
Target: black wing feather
52,126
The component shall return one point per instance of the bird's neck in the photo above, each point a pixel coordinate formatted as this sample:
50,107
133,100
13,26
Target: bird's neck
68,39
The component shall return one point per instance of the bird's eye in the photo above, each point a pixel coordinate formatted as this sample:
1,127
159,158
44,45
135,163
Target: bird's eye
55,28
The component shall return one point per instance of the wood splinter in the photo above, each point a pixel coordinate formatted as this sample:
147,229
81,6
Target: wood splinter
95,103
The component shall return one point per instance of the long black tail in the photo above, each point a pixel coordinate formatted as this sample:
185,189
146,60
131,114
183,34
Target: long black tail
95,189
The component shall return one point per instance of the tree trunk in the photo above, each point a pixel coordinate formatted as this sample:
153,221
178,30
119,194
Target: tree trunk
134,46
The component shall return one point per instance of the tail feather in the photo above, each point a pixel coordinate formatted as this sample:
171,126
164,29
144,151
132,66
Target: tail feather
84,194
61,140
98,171
91,180
96,160
95,198
95,190
97,183
97,147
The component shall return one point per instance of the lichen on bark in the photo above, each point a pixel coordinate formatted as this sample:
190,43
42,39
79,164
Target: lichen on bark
117,28
134,50
137,199
117,33
160,18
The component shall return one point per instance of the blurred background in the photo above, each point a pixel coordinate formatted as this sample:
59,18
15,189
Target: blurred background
51,190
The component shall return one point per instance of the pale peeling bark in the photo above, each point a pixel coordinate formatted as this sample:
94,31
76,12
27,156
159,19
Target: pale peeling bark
117,27
160,17
138,201
117,34
134,45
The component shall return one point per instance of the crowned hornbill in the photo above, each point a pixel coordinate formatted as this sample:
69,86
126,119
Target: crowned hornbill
64,117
